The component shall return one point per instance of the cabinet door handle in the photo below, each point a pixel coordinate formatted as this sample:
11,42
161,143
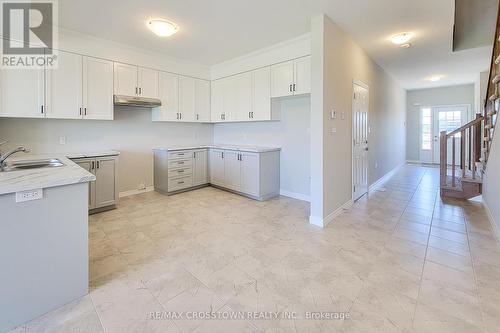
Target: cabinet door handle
294,87
180,115
180,183
136,92
42,109
222,154
180,162
97,164
93,166
290,89
194,154
180,171
140,91
197,116
80,111
85,111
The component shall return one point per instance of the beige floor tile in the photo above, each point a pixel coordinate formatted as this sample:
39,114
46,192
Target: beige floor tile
78,316
210,250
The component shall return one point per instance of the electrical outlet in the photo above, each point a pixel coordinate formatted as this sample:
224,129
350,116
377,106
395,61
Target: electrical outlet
62,140
334,114
29,195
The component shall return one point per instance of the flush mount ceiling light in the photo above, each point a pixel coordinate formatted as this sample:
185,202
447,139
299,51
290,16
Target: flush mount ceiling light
402,38
434,78
162,28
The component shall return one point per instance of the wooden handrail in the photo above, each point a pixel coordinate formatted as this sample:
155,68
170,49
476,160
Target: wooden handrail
476,121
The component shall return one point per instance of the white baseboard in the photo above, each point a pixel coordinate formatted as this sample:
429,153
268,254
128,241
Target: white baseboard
322,222
134,192
413,161
495,227
384,178
295,195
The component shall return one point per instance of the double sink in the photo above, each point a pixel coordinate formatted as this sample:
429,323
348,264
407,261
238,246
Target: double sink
30,164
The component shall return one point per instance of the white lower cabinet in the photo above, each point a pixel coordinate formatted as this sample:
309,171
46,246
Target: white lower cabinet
253,174
216,165
232,168
179,170
249,173
103,192
200,167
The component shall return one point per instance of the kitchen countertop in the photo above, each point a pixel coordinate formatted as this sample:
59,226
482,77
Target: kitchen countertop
252,149
93,154
25,180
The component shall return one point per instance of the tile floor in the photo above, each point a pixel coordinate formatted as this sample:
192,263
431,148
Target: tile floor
401,260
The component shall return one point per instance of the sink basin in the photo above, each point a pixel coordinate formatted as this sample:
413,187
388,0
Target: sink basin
31,164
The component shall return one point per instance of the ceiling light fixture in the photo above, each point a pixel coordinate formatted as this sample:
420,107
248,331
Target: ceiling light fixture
402,38
162,28
435,78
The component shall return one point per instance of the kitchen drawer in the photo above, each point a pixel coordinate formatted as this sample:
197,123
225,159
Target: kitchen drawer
180,183
176,173
180,154
177,164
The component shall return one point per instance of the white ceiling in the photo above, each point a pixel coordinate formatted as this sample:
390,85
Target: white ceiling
212,31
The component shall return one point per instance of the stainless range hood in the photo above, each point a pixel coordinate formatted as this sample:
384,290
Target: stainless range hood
136,101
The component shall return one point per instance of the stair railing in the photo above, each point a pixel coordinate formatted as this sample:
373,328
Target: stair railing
469,153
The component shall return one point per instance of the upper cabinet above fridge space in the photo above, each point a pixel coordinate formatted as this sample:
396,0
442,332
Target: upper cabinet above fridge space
131,80
291,78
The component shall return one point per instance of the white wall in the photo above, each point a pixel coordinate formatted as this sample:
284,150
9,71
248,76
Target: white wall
291,134
491,187
454,95
132,133
336,61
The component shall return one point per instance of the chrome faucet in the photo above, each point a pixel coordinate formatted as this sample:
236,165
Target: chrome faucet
3,157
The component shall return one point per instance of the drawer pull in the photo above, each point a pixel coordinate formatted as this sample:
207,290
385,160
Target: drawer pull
180,183
180,162
180,171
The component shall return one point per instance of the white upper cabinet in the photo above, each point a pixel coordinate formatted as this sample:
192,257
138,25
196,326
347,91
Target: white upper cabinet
186,98
291,77
261,94
216,100
282,79
97,89
22,93
147,82
202,100
302,76
125,79
169,96
243,97
132,80
63,87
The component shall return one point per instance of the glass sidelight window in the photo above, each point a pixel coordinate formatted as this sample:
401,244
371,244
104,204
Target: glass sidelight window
426,129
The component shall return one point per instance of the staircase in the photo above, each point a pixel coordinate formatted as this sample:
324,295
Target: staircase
464,151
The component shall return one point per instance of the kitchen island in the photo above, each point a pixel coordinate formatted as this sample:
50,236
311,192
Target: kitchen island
43,239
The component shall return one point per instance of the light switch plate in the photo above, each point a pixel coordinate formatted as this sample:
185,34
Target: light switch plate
29,195
62,140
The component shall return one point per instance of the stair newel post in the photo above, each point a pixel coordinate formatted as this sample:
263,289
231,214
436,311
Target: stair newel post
443,158
462,152
453,159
